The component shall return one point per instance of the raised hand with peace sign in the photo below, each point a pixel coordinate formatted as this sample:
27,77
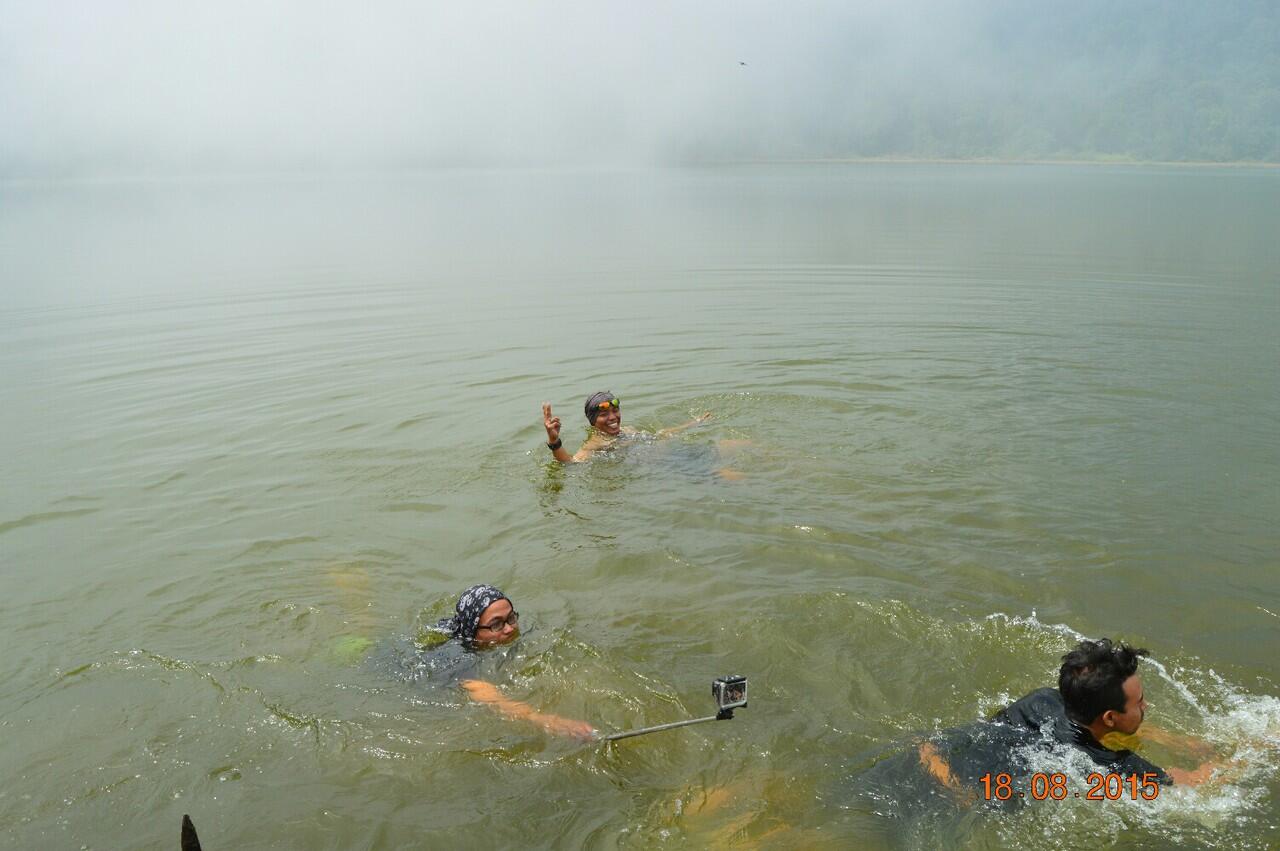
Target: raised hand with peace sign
552,424
604,412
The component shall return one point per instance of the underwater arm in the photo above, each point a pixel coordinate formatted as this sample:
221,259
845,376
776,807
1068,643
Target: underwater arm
1190,744
667,432
1198,748
1218,770
1192,777
491,695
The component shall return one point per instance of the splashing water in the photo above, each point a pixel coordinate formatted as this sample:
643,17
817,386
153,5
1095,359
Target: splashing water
1243,729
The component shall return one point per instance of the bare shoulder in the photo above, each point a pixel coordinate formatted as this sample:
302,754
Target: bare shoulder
593,444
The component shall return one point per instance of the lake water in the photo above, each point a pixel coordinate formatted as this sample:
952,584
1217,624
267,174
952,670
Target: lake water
988,409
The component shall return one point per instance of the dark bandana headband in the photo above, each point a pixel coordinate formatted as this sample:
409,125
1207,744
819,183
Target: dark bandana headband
592,408
466,615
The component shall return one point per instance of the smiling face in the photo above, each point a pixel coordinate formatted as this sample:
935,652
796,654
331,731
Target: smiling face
498,624
609,419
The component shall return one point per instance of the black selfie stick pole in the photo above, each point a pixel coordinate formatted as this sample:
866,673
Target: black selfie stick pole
722,715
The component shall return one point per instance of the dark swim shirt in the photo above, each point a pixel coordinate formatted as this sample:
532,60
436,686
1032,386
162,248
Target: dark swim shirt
401,658
1010,742
1043,713
1023,739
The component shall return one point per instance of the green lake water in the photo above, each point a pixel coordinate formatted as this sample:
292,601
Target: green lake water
986,410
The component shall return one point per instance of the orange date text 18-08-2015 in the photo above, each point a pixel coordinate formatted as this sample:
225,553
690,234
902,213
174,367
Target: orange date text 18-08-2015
1101,787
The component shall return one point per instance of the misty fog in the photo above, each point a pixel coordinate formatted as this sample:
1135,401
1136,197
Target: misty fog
139,87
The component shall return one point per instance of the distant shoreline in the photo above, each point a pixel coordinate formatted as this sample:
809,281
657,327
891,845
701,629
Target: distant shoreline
307,174
992,161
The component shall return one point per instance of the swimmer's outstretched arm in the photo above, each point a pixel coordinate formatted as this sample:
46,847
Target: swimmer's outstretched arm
1197,747
1195,776
489,694
667,432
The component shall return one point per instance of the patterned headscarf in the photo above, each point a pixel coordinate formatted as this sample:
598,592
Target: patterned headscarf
466,614
592,408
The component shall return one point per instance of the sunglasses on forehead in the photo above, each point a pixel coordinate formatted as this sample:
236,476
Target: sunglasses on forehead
607,404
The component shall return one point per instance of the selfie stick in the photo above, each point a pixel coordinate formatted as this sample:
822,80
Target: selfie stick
722,715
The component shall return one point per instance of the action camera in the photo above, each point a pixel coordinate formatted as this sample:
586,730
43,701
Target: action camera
730,694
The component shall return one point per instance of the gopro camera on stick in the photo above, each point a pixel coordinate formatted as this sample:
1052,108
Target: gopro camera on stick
730,694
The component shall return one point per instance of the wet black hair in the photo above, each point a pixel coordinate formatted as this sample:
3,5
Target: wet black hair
1091,679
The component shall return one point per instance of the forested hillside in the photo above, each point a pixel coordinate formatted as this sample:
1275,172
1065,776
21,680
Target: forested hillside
1089,79
1148,80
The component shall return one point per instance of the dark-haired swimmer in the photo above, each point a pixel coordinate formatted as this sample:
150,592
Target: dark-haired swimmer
1099,694
604,412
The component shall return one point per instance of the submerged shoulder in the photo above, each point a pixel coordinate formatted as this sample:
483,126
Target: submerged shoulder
1048,697
595,442
405,659
1033,708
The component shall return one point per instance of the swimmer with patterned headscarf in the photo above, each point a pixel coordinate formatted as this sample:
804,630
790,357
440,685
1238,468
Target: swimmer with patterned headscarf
604,413
484,617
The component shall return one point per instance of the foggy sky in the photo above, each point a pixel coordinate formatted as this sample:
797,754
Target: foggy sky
131,86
